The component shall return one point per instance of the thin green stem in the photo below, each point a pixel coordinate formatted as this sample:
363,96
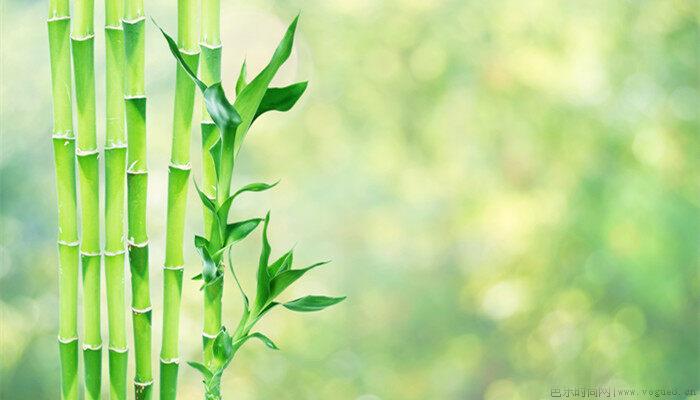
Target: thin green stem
115,184
178,180
64,161
137,187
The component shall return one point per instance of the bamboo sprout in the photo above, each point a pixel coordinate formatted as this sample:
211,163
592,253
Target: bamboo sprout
115,176
83,42
137,184
210,72
64,158
178,177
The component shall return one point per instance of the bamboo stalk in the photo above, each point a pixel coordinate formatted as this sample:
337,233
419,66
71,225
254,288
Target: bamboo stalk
210,72
179,172
64,159
137,185
115,181
83,43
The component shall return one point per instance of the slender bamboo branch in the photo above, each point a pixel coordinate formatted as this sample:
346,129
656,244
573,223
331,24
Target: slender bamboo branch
83,44
137,185
179,172
210,72
64,158
115,181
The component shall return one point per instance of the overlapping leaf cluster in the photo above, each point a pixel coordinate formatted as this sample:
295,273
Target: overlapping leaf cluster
233,121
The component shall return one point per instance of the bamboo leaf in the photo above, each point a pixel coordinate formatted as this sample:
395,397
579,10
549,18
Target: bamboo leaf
248,101
312,303
263,276
215,151
254,187
280,99
241,81
222,112
240,288
178,56
209,270
241,229
223,347
282,264
200,242
268,342
208,203
202,369
286,278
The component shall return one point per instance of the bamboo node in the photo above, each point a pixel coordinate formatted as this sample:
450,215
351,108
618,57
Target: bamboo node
211,46
136,172
115,146
114,253
134,21
92,347
183,167
85,153
208,336
174,267
89,254
140,245
118,349
67,340
170,360
189,52
82,38
114,27
58,18
207,122
141,310
69,244
134,96
64,135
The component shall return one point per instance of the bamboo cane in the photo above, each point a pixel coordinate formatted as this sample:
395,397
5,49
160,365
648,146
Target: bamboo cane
115,177
210,72
137,184
64,158
179,172
83,42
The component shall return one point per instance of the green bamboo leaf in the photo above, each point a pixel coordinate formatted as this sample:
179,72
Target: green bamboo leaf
239,230
222,112
208,203
223,346
255,187
209,270
282,264
240,288
248,101
280,99
176,52
241,81
269,343
312,303
256,335
286,278
263,276
215,151
202,369
197,277
200,242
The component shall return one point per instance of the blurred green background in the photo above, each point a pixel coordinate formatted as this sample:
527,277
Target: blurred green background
509,192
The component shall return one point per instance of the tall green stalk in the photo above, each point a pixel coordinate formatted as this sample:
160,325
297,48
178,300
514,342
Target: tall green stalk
233,121
178,179
210,73
83,44
115,181
64,158
137,184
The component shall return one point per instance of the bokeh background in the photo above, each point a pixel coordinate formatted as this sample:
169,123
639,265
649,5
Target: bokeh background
509,192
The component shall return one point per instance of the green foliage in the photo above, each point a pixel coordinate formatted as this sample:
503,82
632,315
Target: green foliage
233,121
